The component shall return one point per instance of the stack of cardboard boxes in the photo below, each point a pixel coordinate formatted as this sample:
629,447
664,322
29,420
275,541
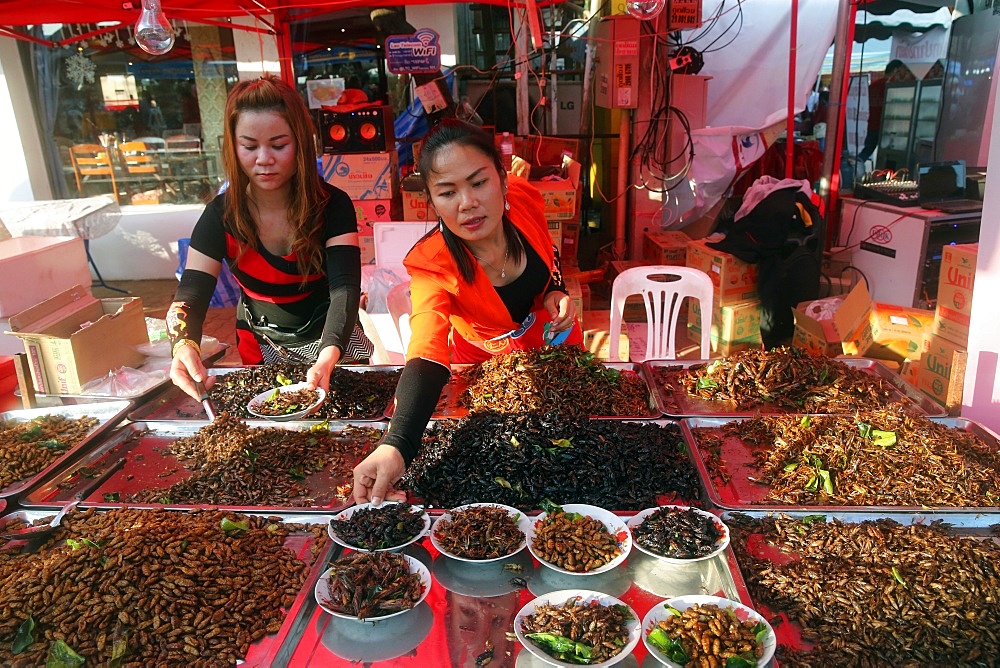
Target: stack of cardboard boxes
372,182
858,326
735,307
939,370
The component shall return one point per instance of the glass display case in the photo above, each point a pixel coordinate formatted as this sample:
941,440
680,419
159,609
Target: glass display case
909,120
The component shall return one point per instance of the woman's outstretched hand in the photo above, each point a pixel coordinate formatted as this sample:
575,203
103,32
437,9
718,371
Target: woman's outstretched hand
375,477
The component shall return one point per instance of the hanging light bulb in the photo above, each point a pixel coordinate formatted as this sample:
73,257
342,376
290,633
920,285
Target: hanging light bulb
153,33
645,9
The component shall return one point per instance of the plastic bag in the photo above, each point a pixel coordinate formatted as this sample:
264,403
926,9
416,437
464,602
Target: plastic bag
124,382
382,280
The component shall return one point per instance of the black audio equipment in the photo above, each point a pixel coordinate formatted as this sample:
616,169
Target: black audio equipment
898,193
363,130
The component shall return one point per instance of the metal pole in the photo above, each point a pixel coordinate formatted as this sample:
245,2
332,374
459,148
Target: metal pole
621,206
829,183
790,132
521,76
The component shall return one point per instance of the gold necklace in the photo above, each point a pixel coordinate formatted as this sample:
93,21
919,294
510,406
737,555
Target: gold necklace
503,269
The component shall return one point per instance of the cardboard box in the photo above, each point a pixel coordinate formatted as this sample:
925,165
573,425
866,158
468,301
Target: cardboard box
541,150
941,372
367,244
73,338
596,337
415,205
362,175
575,292
667,247
733,280
815,329
371,211
954,296
32,269
880,331
561,196
734,327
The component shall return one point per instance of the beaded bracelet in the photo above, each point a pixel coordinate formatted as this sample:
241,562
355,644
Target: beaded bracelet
185,342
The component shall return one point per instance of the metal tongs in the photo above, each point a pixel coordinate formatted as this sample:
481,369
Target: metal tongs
205,401
33,532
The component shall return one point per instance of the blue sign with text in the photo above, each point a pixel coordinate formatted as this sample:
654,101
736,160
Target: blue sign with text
418,53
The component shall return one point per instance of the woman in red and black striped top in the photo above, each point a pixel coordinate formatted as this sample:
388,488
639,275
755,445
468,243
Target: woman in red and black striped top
289,238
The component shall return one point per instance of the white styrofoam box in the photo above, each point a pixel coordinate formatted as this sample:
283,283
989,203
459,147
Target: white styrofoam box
32,269
394,240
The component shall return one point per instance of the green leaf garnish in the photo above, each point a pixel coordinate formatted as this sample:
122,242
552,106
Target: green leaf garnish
671,647
62,655
231,528
24,637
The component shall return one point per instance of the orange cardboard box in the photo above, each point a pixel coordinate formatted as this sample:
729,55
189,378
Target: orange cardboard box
668,247
941,372
733,280
880,331
954,297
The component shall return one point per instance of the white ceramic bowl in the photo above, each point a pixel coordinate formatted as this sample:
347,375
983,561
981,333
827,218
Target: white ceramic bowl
659,612
522,520
719,546
254,404
347,513
322,590
584,596
615,525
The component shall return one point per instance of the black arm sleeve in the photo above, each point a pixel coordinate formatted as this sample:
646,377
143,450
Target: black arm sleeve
343,272
186,317
417,394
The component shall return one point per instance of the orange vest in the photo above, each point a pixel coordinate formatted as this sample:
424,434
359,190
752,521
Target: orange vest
442,300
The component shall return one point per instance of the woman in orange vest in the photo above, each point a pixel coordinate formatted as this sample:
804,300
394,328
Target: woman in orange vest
486,281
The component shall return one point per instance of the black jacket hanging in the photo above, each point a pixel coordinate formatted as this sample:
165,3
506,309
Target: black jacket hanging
782,235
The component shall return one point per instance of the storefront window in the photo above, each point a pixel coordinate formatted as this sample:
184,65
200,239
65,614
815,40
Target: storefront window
157,119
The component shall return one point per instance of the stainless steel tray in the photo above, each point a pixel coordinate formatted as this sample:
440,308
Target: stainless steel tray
787,630
107,413
173,404
472,604
740,494
449,405
675,402
303,544
132,459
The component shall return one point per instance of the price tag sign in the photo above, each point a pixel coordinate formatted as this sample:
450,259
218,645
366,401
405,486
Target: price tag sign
419,53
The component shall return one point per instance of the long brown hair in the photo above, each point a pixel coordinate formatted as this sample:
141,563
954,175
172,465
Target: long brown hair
306,197
453,131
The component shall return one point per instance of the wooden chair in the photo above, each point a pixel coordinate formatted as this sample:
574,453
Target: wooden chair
142,167
92,162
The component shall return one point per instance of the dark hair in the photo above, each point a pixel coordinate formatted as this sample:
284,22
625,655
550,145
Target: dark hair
307,197
453,131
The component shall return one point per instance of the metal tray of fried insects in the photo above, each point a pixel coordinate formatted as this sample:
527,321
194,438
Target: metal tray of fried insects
367,402
55,454
191,574
451,403
728,471
923,594
468,615
673,401
262,468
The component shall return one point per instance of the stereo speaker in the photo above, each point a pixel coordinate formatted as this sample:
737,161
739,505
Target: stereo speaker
364,130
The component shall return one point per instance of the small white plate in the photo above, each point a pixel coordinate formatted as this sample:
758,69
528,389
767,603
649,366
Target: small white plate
720,544
322,590
583,596
659,612
254,404
522,520
615,525
347,513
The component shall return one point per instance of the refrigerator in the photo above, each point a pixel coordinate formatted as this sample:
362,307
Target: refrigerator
969,91
909,120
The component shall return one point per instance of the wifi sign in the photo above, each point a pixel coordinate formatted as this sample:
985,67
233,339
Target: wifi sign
419,53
